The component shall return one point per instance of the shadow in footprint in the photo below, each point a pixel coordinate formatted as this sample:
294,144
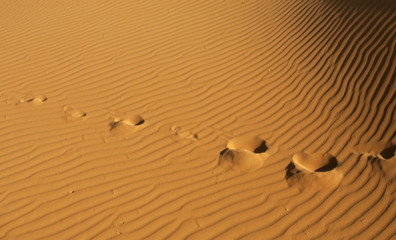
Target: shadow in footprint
291,170
222,153
329,166
139,123
261,148
388,153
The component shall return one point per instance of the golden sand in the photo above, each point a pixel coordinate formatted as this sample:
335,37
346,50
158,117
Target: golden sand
172,119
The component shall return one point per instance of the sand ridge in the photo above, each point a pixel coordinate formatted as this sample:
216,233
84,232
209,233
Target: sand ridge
197,120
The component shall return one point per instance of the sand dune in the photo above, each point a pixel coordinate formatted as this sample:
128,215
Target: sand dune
198,119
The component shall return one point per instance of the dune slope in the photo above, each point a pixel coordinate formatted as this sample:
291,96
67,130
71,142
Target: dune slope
127,119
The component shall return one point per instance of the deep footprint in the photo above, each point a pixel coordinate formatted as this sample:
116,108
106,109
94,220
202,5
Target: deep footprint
249,143
313,170
243,154
314,162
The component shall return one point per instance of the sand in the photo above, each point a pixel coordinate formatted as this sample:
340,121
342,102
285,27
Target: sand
172,119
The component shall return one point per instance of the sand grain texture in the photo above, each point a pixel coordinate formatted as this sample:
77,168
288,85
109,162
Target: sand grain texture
197,119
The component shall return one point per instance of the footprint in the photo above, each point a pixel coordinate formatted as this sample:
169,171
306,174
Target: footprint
243,154
249,143
313,171
314,162
126,122
183,133
73,114
384,150
381,155
33,99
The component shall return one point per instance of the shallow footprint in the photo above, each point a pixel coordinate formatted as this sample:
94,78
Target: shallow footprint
313,171
73,114
126,122
33,99
243,154
183,133
381,154
384,150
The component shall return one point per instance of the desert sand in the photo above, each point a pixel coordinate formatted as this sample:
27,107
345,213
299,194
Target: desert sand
176,119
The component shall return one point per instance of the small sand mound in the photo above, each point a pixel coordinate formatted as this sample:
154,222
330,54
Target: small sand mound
243,154
314,162
240,160
250,143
